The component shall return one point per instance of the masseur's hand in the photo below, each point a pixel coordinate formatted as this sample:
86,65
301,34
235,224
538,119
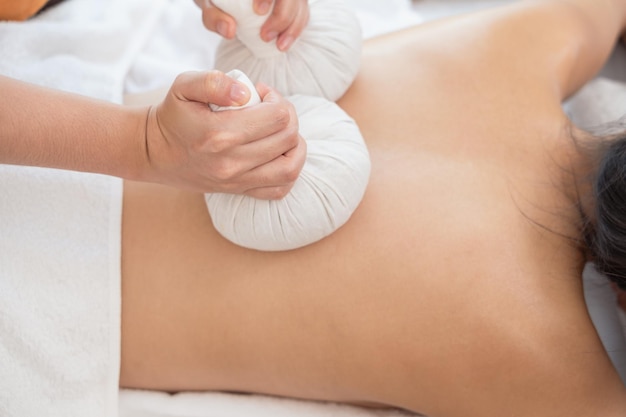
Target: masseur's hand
285,23
255,151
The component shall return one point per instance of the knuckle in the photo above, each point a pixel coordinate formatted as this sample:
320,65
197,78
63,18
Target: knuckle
282,116
292,135
215,146
230,188
276,193
269,193
208,19
291,174
214,82
282,14
217,143
224,171
183,78
180,78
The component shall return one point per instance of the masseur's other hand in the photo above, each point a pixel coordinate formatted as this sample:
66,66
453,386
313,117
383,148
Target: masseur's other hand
255,151
285,23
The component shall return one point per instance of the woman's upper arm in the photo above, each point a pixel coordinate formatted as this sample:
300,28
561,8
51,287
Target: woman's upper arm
529,53
559,44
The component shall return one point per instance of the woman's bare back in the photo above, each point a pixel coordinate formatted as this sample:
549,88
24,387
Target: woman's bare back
451,288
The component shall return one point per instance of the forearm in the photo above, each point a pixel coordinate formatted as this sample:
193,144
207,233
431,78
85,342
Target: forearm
48,128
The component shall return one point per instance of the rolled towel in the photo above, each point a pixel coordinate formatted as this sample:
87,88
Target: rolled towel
322,62
328,190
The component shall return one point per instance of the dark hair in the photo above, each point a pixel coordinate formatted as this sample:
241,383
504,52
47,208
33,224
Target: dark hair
605,230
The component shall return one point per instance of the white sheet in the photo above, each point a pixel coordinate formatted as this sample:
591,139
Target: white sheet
60,231
190,404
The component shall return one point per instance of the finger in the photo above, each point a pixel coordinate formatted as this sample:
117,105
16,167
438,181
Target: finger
281,18
269,94
272,115
229,129
287,38
270,193
260,152
262,7
216,20
253,124
286,23
273,180
281,174
263,90
211,87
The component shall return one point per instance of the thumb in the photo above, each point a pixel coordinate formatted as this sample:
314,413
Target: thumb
211,87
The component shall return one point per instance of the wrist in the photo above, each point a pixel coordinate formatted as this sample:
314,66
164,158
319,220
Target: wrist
134,160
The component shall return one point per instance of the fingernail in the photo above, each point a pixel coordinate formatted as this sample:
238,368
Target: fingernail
264,7
270,36
285,42
239,93
222,28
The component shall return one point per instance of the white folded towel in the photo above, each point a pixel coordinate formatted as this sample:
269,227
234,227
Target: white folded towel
59,293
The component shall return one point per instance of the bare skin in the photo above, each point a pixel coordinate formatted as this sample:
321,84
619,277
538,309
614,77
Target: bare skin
444,294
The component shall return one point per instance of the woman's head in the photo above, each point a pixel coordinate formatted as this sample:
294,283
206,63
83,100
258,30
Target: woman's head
606,225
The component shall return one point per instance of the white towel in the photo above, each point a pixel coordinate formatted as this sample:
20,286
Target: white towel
179,43
59,293
60,231
84,46
135,403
